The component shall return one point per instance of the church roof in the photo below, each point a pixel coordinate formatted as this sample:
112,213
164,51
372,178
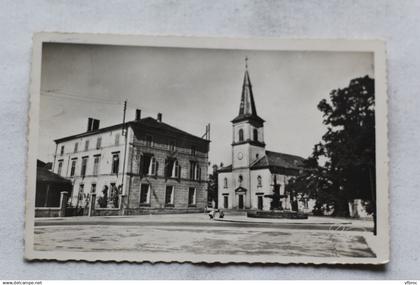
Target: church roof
280,163
247,110
276,162
225,169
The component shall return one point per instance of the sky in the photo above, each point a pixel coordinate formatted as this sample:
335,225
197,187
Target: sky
192,87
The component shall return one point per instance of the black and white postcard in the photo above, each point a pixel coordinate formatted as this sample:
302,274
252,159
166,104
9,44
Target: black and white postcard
228,150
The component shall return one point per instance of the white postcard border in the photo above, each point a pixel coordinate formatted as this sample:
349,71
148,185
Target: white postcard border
343,45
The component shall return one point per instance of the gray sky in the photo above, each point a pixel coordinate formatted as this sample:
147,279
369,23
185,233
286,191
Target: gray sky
192,87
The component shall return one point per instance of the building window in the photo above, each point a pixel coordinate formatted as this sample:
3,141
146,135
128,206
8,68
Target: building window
86,145
172,168
240,179
148,165
169,195
73,167
225,183
255,135
76,146
225,201
144,194
149,141
96,161
93,188
84,165
60,167
259,181
241,135
115,163
191,196
98,142
62,150
172,146
195,171
153,166
193,150
117,139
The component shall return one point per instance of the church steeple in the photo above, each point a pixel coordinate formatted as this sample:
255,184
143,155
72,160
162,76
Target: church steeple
247,110
248,129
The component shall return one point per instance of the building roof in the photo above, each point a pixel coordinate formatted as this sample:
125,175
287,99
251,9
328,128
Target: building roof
46,176
163,128
279,162
247,110
225,169
147,122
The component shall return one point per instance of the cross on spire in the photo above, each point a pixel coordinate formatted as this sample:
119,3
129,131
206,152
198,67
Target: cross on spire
246,62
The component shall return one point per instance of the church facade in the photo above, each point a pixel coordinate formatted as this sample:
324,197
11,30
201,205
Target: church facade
255,172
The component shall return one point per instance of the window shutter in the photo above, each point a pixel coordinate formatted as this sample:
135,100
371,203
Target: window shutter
195,171
174,169
151,166
166,169
156,168
191,171
178,171
141,166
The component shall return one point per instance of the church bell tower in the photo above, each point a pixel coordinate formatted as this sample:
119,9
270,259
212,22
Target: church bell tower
248,129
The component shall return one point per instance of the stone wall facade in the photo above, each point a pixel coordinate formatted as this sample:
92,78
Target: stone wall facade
171,163
162,177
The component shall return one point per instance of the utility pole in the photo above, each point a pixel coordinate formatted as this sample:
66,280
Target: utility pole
124,133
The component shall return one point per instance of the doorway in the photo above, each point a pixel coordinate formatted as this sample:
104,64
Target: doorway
225,202
260,202
241,201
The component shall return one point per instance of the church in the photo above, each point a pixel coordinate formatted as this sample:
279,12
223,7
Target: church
255,172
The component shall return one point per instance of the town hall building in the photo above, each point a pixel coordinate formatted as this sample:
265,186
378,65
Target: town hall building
140,166
255,172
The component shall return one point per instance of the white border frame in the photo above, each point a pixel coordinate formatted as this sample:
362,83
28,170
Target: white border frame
375,46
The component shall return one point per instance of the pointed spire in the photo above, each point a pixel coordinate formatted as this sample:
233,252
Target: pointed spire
247,108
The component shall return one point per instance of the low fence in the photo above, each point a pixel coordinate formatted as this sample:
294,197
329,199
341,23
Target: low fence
59,211
161,211
45,212
92,210
277,214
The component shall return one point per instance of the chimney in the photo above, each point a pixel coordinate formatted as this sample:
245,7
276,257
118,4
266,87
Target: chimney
138,114
93,124
159,117
89,125
208,131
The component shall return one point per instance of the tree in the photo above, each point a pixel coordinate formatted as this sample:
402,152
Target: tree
348,148
318,183
212,187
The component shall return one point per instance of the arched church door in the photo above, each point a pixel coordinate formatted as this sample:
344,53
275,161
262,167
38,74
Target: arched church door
241,201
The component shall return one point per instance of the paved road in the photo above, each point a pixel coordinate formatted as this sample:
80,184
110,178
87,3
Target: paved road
196,234
214,223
